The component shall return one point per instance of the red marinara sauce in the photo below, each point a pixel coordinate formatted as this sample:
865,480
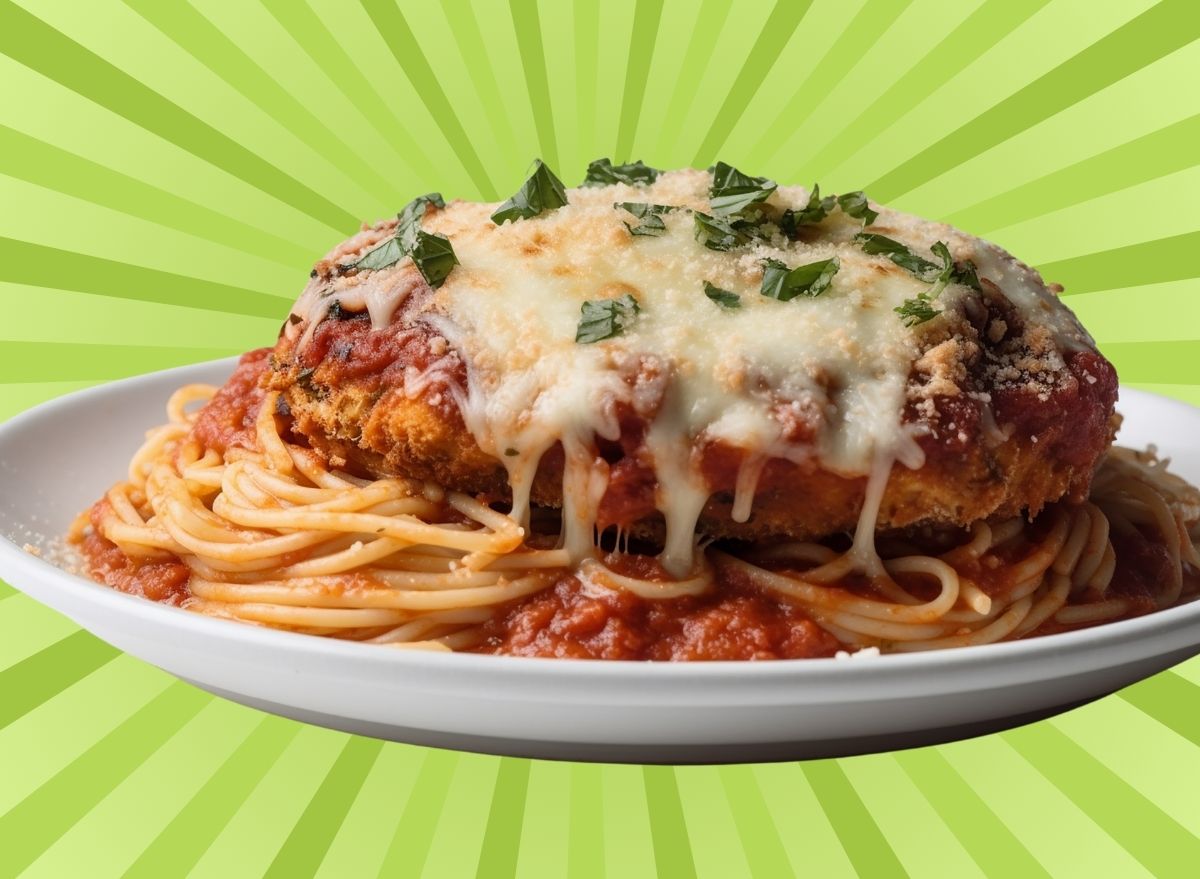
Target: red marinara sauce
228,418
164,581
731,621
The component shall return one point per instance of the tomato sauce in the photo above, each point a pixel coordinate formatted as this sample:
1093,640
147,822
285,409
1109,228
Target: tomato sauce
227,420
732,621
165,581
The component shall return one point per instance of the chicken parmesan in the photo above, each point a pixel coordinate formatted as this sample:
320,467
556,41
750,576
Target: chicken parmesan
663,415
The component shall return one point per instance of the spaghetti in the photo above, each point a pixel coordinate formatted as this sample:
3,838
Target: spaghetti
272,535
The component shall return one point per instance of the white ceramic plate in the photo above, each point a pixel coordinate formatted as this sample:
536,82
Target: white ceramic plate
58,458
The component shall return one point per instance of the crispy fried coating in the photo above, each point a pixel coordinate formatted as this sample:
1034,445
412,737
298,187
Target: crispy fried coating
998,439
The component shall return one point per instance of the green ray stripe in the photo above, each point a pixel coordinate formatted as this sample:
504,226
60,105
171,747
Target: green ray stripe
533,61
181,843
1174,361
587,51
1135,265
398,36
756,827
33,680
409,849
978,32
197,36
672,850
42,817
647,16
1169,699
465,28
35,44
987,840
778,29
1159,31
306,845
22,262
585,844
310,33
865,846
27,158
855,41
699,54
502,835
1149,157
62,361
1153,837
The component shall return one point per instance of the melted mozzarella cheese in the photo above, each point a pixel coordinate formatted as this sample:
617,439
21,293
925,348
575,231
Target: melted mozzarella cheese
820,378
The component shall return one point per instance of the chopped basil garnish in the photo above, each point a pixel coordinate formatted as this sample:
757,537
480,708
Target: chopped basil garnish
899,254
782,283
855,204
434,257
817,208
718,234
916,311
541,192
604,318
852,203
723,298
603,172
381,256
406,240
966,273
815,211
946,274
412,214
732,191
650,215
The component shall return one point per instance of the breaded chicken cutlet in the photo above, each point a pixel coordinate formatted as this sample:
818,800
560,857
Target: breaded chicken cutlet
670,367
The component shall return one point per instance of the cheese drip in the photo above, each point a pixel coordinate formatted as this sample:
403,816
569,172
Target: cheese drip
814,379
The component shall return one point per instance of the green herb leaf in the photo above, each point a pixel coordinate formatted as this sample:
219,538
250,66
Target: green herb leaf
732,191
855,204
723,298
817,208
401,243
603,172
381,256
916,311
899,254
605,318
815,211
541,192
919,310
718,234
966,274
650,215
780,282
434,257
412,214
942,252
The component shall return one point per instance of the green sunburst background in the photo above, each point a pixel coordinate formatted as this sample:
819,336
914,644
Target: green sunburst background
169,171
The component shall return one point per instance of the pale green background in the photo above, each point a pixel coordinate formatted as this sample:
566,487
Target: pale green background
169,171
